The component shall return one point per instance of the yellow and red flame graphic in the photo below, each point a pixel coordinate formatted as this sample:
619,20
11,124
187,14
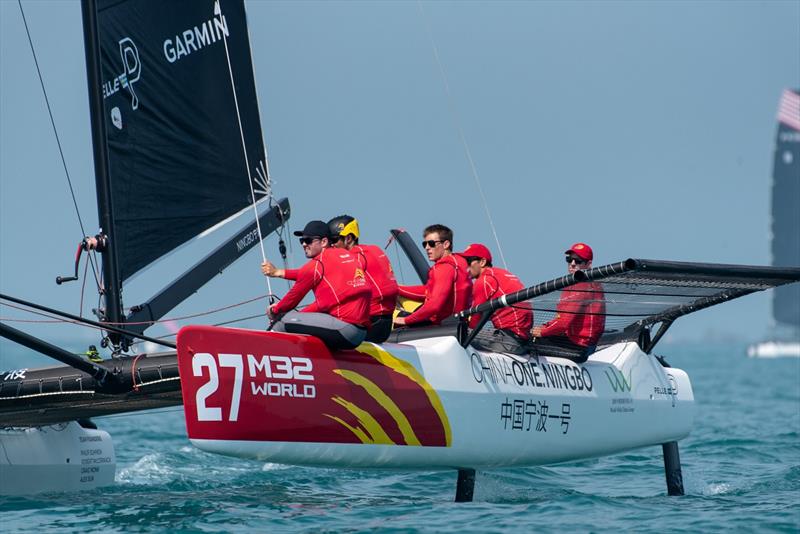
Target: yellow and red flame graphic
382,416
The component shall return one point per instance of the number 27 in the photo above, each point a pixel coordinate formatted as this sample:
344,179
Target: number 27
205,360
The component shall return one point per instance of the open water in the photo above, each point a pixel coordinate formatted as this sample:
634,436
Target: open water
741,470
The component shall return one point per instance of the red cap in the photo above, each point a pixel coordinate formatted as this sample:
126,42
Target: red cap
476,250
582,250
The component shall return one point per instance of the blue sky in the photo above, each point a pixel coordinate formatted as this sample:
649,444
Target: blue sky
645,129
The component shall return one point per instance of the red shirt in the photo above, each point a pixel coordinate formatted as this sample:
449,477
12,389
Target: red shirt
447,292
379,274
494,283
339,285
380,278
580,314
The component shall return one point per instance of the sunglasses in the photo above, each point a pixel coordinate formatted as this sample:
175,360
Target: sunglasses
577,260
470,259
336,238
308,240
430,243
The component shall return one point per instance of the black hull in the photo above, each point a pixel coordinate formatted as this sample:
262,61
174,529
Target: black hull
35,397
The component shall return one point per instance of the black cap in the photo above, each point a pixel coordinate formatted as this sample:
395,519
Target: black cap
314,229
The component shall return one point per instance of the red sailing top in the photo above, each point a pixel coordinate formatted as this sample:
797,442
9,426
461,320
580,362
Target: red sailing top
380,277
447,292
379,274
494,283
339,285
580,315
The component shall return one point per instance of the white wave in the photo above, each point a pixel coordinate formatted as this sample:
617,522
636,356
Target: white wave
716,489
274,467
148,469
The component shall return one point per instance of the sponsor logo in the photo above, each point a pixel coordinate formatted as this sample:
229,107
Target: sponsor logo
359,279
672,389
281,367
622,405
524,415
247,240
16,374
131,72
196,38
116,118
265,377
532,374
617,380
789,137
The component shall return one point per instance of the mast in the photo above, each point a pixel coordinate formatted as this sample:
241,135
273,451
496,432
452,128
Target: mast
785,209
113,303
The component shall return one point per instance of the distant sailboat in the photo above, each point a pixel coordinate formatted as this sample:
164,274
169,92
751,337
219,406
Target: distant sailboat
784,337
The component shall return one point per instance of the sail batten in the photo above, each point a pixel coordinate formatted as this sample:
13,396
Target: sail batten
175,150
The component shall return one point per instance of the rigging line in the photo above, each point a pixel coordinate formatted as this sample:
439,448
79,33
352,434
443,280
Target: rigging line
79,321
223,323
54,318
52,122
399,260
32,321
208,312
244,148
457,123
83,287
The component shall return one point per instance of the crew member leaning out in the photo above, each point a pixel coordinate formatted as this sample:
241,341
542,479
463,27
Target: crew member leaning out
448,289
378,271
339,314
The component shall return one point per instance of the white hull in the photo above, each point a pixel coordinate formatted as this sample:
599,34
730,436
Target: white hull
64,457
774,349
503,413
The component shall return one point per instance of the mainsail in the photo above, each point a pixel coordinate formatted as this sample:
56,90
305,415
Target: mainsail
786,206
177,164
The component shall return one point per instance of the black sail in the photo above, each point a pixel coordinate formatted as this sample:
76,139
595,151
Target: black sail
786,206
176,158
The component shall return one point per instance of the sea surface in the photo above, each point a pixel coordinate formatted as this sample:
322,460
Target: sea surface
741,470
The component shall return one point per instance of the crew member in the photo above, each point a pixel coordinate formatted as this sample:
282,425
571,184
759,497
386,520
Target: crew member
378,271
512,323
448,289
580,313
340,314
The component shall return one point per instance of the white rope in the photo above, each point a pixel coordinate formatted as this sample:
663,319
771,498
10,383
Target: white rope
457,123
218,10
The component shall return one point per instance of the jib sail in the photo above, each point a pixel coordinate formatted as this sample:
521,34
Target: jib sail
176,160
786,206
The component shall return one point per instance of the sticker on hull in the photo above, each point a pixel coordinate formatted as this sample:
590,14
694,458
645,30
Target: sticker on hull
258,386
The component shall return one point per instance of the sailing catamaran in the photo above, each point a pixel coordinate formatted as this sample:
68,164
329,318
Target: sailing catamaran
178,151
785,334
430,398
